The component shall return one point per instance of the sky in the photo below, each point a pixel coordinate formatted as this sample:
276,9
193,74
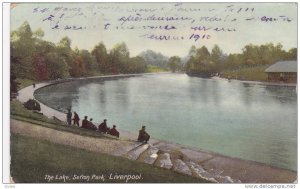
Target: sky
168,28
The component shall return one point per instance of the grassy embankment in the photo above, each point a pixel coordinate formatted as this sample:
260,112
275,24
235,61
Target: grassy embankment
155,69
33,158
19,112
249,74
25,82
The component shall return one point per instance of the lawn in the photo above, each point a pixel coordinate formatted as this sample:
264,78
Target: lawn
249,74
25,82
155,69
38,161
19,112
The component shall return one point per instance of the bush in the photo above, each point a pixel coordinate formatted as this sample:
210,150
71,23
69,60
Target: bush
32,104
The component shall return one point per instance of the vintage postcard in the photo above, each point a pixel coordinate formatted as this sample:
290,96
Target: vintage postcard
153,92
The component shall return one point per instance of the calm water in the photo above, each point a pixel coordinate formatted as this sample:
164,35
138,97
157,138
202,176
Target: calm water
249,121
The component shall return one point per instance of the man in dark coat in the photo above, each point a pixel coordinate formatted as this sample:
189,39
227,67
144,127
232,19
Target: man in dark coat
69,117
103,127
143,135
114,132
76,119
85,122
91,125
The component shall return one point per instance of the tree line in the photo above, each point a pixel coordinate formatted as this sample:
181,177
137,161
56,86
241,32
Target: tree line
203,62
34,58
38,59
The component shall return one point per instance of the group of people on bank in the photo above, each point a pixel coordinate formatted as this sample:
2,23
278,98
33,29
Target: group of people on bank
102,127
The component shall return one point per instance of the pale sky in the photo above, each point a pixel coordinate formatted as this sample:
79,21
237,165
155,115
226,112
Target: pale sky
84,24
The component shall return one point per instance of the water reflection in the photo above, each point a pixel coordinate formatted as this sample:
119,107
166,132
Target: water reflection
246,94
57,97
121,93
205,90
102,96
283,94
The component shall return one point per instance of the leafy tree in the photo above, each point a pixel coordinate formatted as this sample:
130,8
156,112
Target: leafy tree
265,53
216,54
100,53
215,57
78,67
65,42
40,68
22,49
89,61
193,51
201,63
203,55
65,51
174,63
155,58
39,33
137,65
251,52
292,54
190,65
119,57
57,66
233,61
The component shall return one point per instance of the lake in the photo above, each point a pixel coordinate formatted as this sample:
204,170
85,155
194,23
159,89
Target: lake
249,121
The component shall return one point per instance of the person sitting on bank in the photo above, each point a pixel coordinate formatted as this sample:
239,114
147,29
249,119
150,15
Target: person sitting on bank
143,135
114,132
103,127
91,125
85,122
76,119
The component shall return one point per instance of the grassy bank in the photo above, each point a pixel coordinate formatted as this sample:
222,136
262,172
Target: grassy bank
32,159
19,112
25,82
155,69
18,109
250,74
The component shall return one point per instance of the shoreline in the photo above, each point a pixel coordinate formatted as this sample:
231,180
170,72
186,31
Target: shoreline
257,82
28,92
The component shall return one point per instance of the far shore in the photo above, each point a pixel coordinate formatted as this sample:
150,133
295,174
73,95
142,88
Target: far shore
58,81
258,82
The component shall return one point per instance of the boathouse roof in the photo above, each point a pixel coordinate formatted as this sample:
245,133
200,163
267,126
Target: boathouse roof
283,66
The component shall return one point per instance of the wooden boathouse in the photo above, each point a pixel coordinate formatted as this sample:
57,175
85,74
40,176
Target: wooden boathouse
283,71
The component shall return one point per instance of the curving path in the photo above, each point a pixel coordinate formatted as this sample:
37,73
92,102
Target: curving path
27,93
210,166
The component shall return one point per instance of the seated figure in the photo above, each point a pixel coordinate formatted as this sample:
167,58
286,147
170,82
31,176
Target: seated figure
103,127
143,135
114,132
91,125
